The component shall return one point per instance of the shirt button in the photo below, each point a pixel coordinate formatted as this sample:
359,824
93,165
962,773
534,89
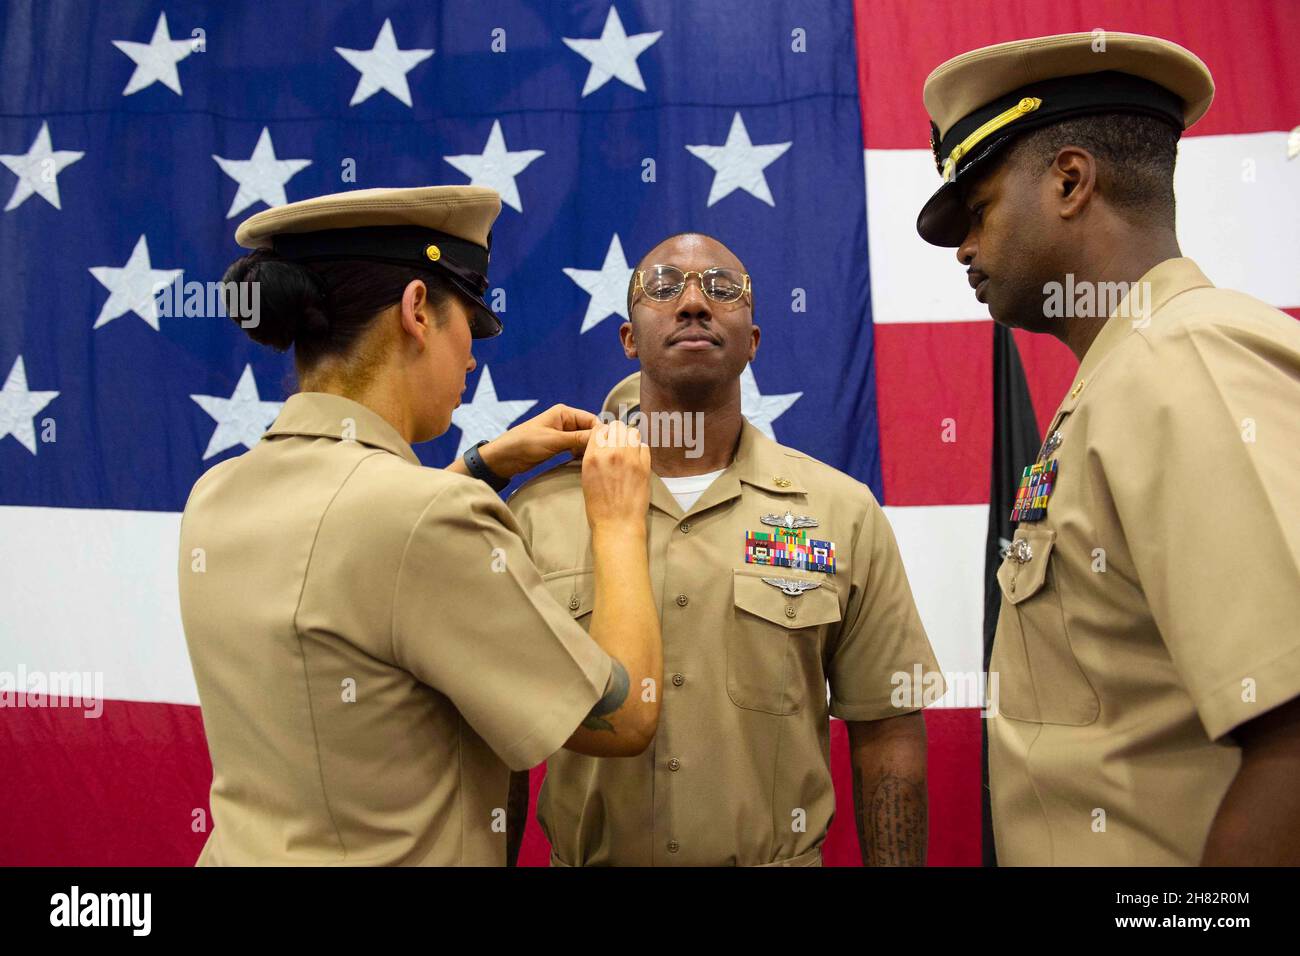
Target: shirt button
685,526
682,600
674,764
678,680
789,610
673,846
574,603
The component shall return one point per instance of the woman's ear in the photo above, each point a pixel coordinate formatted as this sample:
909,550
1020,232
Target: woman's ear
414,320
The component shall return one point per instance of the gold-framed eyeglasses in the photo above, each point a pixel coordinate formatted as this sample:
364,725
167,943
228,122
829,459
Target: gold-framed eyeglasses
664,283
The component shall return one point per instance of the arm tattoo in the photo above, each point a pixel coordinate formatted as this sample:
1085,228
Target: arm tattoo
892,824
516,815
615,695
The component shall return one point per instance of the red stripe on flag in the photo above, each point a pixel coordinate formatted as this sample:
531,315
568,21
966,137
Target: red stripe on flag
118,790
1049,370
123,789
1252,48
935,408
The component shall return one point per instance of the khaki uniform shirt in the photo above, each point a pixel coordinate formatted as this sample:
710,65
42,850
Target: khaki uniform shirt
739,772
1156,606
373,648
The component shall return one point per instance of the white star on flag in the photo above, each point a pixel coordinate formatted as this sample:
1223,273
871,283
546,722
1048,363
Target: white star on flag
497,167
486,416
383,66
606,285
739,164
762,410
261,177
155,61
132,287
38,170
241,419
18,406
614,55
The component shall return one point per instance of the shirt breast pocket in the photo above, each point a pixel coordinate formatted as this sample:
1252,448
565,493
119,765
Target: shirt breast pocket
575,591
1038,678
774,643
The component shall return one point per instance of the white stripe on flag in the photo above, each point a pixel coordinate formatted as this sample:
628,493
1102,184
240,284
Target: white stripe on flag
95,591
1237,201
943,553
92,591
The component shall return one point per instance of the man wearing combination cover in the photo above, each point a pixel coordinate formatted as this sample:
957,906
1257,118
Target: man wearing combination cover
1147,650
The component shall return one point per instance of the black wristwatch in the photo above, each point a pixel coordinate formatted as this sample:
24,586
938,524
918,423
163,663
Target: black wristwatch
479,469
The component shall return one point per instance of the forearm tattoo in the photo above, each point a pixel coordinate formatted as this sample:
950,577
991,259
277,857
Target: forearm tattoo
615,695
891,820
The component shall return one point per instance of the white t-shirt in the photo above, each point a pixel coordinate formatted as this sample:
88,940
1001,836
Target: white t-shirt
687,490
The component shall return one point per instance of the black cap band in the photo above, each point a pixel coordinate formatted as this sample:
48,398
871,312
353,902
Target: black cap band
1063,98
405,245
464,263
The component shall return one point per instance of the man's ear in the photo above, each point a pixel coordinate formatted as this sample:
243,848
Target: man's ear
627,335
415,322
1074,180
753,345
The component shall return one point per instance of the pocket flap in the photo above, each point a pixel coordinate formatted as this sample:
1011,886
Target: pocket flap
1023,571
819,605
575,590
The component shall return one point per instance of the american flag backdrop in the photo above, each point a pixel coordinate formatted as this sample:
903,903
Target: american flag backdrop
134,136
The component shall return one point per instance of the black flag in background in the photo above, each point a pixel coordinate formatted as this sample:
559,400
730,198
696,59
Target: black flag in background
1015,444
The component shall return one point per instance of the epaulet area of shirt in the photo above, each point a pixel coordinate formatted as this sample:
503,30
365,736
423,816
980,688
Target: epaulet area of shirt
559,477
827,479
1211,308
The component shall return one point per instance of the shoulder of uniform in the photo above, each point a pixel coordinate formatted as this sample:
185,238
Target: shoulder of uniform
1208,311
210,476
821,478
561,479
414,493
216,471
1197,342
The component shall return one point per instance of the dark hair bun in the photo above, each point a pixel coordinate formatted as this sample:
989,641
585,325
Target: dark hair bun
290,299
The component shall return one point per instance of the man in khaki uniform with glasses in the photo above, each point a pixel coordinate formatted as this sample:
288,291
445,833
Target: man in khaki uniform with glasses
773,574
1148,646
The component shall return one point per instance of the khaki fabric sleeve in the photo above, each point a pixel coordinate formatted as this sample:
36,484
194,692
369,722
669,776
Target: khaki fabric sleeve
1203,464
882,664
472,619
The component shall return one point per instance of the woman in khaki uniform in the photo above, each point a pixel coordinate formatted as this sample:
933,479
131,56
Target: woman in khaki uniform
374,649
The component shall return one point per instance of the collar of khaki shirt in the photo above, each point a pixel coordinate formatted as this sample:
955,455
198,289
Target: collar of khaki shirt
322,415
1165,280
759,462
